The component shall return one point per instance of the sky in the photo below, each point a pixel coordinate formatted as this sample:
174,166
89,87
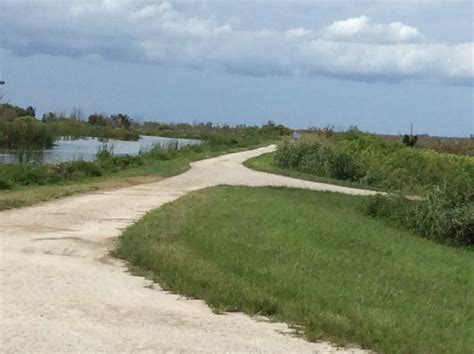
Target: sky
378,65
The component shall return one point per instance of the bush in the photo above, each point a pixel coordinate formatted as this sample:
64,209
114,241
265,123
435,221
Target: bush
26,175
4,185
342,165
444,215
80,168
290,155
369,160
316,159
25,132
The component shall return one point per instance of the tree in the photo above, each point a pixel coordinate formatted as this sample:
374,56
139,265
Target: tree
410,140
97,119
121,120
30,111
49,117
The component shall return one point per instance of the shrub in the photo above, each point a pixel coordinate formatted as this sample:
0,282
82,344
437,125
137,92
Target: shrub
368,159
315,159
164,151
290,155
443,215
80,168
341,165
410,140
25,132
25,175
4,185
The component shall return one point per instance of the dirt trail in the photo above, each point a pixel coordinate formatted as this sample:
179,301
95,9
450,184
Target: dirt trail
60,291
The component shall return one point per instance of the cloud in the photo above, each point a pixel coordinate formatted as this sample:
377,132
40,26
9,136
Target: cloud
166,33
360,29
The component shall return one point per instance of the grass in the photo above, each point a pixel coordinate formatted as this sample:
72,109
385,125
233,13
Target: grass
369,160
456,146
320,264
152,170
264,163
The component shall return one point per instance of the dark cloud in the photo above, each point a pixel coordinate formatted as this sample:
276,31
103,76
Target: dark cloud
160,33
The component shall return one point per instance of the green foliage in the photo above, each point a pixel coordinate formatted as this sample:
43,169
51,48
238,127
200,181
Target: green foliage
164,151
121,120
372,161
106,163
393,207
97,119
78,129
9,112
20,130
443,215
121,126
218,136
4,185
314,158
32,174
25,132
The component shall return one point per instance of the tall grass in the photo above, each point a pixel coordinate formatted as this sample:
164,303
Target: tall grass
442,215
456,146
29,133
79,129
218,135
25,132
445,182
372,161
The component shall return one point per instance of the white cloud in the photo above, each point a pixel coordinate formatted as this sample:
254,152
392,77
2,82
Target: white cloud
360,29
165,33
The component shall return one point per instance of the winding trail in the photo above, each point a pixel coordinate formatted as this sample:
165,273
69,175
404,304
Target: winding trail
60,291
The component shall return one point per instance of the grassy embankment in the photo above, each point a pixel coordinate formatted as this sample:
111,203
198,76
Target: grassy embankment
365,160
321,265
445,182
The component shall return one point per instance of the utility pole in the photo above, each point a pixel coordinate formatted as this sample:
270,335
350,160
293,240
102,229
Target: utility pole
411,129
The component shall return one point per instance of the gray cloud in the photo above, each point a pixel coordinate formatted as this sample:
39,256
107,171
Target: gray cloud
165,33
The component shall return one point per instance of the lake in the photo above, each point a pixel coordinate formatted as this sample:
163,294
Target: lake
67,149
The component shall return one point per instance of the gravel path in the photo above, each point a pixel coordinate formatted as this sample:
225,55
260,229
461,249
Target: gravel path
60,290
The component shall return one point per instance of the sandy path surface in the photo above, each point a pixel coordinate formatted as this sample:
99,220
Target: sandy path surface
61,291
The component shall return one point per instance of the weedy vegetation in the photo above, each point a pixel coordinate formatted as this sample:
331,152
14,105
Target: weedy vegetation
444,183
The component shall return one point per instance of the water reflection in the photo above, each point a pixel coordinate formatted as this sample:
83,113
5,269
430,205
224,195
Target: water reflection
67,149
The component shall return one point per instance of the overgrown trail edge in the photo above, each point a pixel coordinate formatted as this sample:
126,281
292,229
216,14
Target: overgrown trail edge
61,291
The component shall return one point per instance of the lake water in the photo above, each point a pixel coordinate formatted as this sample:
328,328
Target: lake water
86,149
